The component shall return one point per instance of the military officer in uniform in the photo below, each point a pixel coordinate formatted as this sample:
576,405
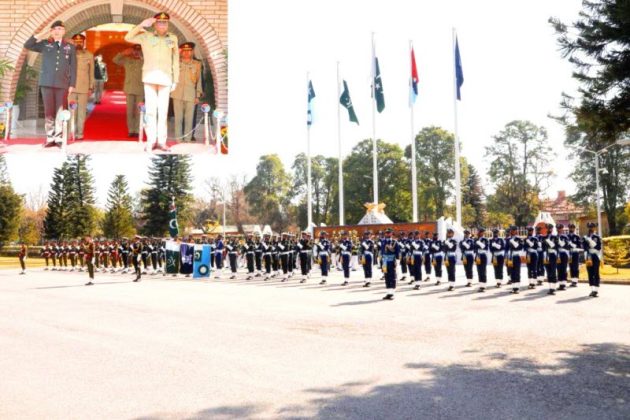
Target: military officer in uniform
531,250
437,257
450,257
575,245
187,93
89,259
323,255
563,256
131,59
160,73
550,246
366,253
541,255
390,250
467,247
593,248
304,247
345,246
84,85
22,256
420,249
482,248
100,78
249,250
57,78
497,248
516,255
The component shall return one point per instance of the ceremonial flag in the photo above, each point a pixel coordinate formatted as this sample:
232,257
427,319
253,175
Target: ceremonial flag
187,252
459,72
172,257
173,228
413,91
378,87
201,262
311,96
347,103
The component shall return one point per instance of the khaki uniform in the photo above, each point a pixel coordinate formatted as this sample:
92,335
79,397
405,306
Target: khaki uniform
85,83
188,89
159,72
133,88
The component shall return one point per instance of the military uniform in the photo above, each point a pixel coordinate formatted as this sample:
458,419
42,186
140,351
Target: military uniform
366,253
593,248
323,256
89,261
575,246
437,257
187,92
550,247
450,259
304,247
497,248
467,247
390,250
515,255
58,73
482,250
531,250
84,85
419,250
133,88
160,73
23,254
232,252
563,254
100,78
345,247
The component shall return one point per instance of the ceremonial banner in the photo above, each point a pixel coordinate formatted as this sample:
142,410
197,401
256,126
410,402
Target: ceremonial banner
172,257
187,252
459,71
347,103
201,261
173,227
309,110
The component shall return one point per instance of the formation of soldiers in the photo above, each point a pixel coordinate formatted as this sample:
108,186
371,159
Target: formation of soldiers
549,257
157,69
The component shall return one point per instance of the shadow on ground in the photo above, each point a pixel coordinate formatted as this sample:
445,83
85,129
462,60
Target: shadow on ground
590,383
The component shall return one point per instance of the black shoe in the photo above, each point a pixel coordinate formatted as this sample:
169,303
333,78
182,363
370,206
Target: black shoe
51,144
531,286
595,294
411,282
303,281
468,284
416,287
137,279
551,292
437,283
482,289
562,287
498,285
573,284
388,297
450,288
345,283
539,283
367,284
515,291
322,282
89,283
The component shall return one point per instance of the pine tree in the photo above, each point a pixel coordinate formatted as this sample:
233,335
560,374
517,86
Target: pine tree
474,196
118,221
10,207
56,221
4,172
169,177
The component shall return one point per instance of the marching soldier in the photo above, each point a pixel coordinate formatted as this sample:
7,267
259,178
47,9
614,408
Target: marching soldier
531,249
450,257
427,256
136,255
187,93
53,255
366,253
419,250
575,245
593,248
497,248
258,255
391,252
482,249
160,73
218,255
437,257
404,253
467,247
73,250
84,85
232,252
249,250
57,77
550,246
22,256
100,78
46,254
89,259
266,255
131,59
563,256
346,252
64,255
541,256
304,248
323,255
515,257
284,248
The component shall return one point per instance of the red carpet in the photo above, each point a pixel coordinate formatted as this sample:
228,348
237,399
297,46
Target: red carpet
108,120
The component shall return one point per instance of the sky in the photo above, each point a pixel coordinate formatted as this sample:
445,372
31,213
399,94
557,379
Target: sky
511,63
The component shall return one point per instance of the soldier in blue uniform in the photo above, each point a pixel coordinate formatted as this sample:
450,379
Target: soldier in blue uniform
497,248
57,78
482,250
564,248
249,250
345,246
437,257
467,247
284,249
323,256
232,253
404,253
593,248
218,255
516,252
450,257
531,250
390,250
541,256
304,248
550,246
366,254
419,250
427,256
575,247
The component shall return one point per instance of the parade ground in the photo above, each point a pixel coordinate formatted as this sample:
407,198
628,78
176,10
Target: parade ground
168,348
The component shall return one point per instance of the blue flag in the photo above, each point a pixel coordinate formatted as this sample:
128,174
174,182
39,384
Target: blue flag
459,72
311,96
186,257
201,261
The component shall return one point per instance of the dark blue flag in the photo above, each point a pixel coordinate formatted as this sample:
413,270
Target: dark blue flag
311,96
459,72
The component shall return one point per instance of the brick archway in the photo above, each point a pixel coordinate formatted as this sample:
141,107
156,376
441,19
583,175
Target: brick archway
186,18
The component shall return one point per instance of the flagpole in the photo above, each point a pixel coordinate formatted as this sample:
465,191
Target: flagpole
374,145
309,200
340,165
458,186
414,181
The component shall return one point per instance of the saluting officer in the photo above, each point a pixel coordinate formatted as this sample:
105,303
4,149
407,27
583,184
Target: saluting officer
160,73
467,247
531,250
497,248
390,250
593,249
575,245
85,83
131,59
188,91
366,253
57,77
482,248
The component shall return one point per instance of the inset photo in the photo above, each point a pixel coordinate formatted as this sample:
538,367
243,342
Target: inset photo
115,77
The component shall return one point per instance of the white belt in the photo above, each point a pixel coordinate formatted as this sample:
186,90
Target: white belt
593,251
469,253
482,251
451,254
564,251
438,254
551,251
346,253
367,253
498,253
417,253
517,253
323,254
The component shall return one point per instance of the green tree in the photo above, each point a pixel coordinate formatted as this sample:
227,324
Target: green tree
10,211
80,194
435,167
56,221
520,169
268,193
325,194
393,181
118,219
4,172
473,197
169,177
598,45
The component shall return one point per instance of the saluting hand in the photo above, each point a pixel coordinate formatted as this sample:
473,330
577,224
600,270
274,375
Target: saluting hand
147,22
70,90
